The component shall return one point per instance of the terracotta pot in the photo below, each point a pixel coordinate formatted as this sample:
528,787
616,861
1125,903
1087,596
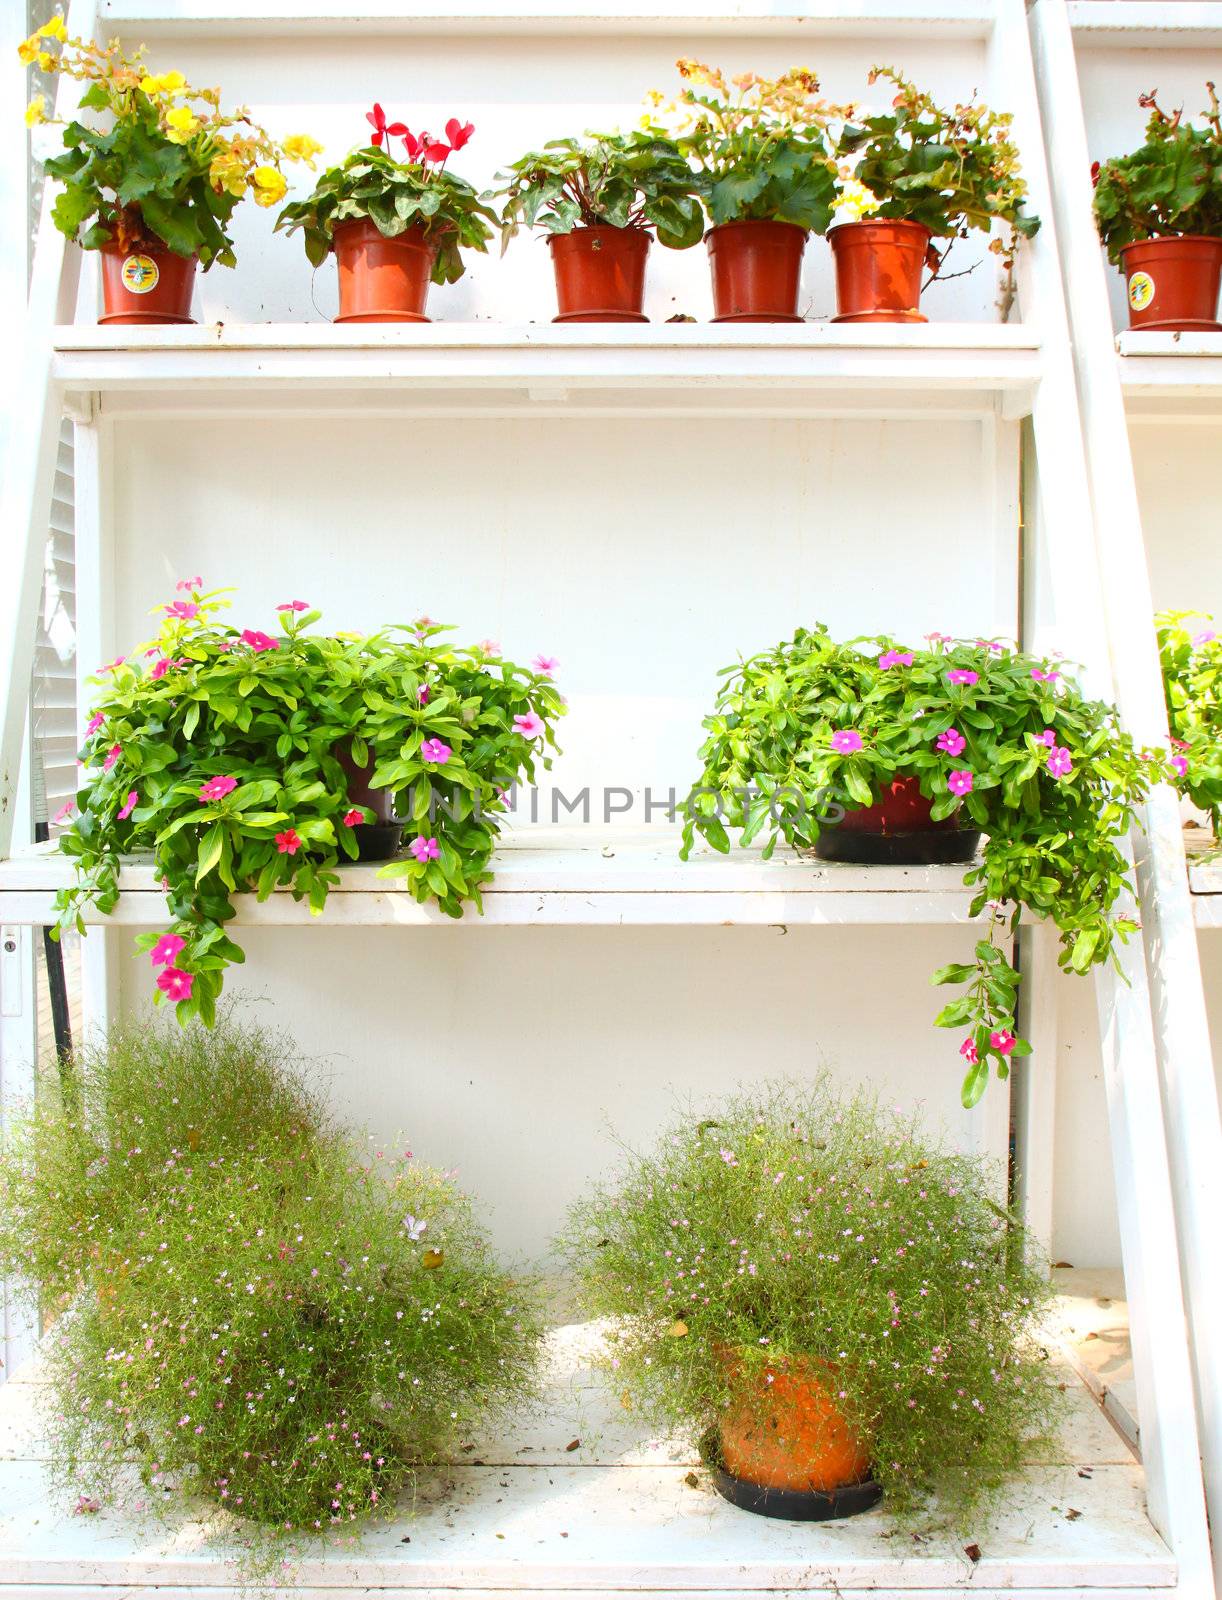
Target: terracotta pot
878,270
790,1434
146,286
757,271
1173,282
898,830
600,274
380,279
377,840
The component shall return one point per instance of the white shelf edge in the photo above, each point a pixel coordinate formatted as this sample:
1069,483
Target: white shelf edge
1146,24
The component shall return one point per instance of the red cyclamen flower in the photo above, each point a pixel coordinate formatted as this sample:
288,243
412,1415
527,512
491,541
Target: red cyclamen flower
458,133
381,128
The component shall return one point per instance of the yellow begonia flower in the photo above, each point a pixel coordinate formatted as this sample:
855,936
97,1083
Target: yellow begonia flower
35,112
54,29
163,83
300,147
181,123
270,186
46,61
27,50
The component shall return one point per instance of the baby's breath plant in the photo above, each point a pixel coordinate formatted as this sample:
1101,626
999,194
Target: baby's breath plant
793,1223
252,1311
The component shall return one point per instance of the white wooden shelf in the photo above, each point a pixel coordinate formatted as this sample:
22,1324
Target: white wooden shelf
589,877
485,368
1171,374
1146,24
522,1512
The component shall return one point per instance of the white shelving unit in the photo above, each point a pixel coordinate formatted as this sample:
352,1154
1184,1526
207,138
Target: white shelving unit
658,498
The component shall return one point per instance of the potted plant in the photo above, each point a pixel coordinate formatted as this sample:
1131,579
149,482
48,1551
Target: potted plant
827,1298
155,189
874,751
1192,682
1159,214
395,226
600,200
246,762
305,1327
765,174
908,176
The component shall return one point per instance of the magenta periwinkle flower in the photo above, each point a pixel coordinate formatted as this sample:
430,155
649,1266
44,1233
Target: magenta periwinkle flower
968,1051
189,583
128,806
176,984
1060,762
1180,763
960,782
166,951
289,842
425,849
217,788
962,676
951,742
545,666
182,610
529,726
259,641
846,741
112,665
112,755
940,638
64,813
94,723
1041,676
1048,737
436,751
293,605
895,658
424,694
1207,637
354,818
1003,1041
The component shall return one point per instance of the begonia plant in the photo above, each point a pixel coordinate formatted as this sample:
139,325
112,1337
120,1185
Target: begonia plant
1170,185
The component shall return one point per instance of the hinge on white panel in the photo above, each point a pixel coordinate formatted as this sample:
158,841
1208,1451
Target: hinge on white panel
81,405
10,972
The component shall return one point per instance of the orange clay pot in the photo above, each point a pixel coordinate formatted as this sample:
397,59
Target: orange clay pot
791,1434
878,270
757,271
1173,283
380,279
145,286
600,274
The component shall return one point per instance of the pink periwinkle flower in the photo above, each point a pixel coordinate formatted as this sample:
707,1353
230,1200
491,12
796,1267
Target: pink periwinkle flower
182,610
166,951
960,782
962,676
1060,762
128,806
217,788
436,751
968,1051
846,741
940,638
64,813
490,647
354,818
111,665
895,658
424,694
1048,737
160,668
1180,763
1041,676
1003,1041
289,842
530,726
293,605
992,646
189,583
112,755
425,849
545,666
951,742
1207,637
94,723
175,983
259,641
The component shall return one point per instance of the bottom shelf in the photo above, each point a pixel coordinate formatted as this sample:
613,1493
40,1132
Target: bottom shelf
534,1512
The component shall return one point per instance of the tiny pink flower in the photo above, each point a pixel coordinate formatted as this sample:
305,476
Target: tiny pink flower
1041,676
962,675
1207,637
111,665
1180,763
289,842
895,658
1003,1041
293,605
952,742
940,638
259,641
490,647
1180,744
968,1051
189,583
217,788
960,782
176,984
354,818
423,694
94,723
434,750
1048,737
182,610
64,813
846,741
530,726
166,951
160,668
1060,762
992,646
425,849
112,755
128,806
545,666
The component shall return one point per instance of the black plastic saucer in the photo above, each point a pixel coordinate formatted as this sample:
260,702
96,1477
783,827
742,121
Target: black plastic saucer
793,1505
919,848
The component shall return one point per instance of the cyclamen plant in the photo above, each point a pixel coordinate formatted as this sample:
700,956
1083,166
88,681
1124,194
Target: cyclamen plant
171,167
218,750
1003,739
397,195
1171,185
1192,682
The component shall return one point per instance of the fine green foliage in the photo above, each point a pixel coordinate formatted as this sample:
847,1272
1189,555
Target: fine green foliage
1172,184
168,169
607,180
790,1223
394,196
1192,682
1005,739
218,751
950,170
255,1312
760,146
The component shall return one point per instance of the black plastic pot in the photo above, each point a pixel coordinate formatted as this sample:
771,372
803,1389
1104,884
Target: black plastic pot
791,1505
917,848
378,841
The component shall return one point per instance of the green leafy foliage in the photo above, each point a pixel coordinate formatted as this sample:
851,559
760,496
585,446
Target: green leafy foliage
1172,184
796,1225
607,180
1192,682
1048,775
950,170
219,752
394,196
247,1308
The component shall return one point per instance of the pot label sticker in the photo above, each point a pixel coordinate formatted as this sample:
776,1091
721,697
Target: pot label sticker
140,274
1141,290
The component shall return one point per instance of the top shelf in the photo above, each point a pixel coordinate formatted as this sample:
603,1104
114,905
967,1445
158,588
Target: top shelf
1146,24
680,369
1171,373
